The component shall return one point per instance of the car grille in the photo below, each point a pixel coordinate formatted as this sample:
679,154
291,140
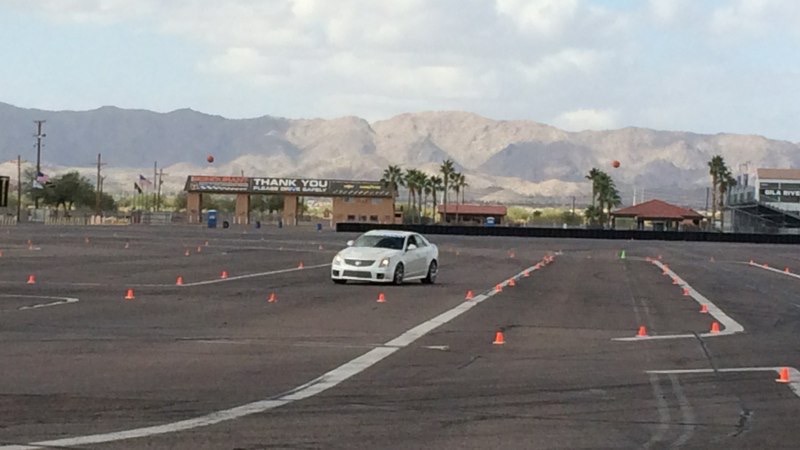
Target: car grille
359,262
356,274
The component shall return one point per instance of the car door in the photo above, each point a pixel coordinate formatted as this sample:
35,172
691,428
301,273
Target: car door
415,259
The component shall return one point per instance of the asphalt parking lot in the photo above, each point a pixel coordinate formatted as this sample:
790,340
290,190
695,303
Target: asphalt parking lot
213,364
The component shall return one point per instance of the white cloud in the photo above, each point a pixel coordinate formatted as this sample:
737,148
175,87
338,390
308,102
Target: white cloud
587,119
502,58
545,17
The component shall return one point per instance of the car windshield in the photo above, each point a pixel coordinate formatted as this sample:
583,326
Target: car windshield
392,242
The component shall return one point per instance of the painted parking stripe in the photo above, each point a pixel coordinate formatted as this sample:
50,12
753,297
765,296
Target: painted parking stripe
794,374
313,387
250,275
771,269
729,325
58,301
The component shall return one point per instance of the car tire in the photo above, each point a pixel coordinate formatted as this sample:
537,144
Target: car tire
399,273
433,271
339,281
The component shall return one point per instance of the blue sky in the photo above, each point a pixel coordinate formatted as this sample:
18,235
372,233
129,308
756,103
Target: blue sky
711,66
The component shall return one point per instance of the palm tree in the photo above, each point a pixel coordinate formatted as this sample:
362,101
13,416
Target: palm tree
715,169
726,181
436,186
393,176
447,169
454,177
594,177
410,180
462,185
426,188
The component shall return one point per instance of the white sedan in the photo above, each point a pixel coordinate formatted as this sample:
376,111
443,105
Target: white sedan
387,256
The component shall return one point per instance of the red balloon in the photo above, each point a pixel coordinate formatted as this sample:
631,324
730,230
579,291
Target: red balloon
615,164
210,158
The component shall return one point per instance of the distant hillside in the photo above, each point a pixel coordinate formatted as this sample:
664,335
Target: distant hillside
513,161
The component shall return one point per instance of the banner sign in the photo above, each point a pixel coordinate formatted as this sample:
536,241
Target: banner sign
206,183
4,183
780,192
308,187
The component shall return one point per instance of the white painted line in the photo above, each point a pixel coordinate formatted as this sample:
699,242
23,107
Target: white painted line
250,275
59,301
771,269
313,387
729,326
794,374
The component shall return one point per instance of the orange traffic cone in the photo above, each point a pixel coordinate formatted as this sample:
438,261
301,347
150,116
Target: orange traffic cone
224,275
511,282
666,270
785,270
129,295
199,249
272,298
320,247
31,279
186,253
179,281
642,331
766,266
674,281
526,274
469,295
686,292
381,298
784,375
499,339
301,266
498,288
704,309
752,262
715,327
511,254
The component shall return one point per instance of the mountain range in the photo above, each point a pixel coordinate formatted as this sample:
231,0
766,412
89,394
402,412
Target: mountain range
504,161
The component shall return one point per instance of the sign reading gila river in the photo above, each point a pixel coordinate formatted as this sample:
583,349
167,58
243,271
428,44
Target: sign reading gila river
780,192
297,186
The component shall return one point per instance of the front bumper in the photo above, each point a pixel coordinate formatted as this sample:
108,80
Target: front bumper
374,274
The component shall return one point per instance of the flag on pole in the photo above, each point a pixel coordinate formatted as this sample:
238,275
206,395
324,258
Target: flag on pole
144,182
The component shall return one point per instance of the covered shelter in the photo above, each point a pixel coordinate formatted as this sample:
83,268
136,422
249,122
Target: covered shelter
658,215
471,213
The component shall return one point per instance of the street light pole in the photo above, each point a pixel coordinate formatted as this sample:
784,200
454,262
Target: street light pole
39,137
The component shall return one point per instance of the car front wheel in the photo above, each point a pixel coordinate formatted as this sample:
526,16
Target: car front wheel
399,273
433,270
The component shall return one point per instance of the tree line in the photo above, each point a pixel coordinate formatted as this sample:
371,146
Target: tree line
421,186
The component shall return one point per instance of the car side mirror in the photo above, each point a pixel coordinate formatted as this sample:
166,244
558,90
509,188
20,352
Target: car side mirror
412,247
350,243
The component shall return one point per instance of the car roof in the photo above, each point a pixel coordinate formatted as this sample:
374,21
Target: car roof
392,233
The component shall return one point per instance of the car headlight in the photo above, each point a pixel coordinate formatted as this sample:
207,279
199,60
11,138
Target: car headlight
384,262
338,259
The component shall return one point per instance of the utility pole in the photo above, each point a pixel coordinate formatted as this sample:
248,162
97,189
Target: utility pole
160,182
98,192
39,135
155,180
19,187
573,206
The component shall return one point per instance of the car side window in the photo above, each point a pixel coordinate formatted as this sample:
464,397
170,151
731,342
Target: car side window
420,241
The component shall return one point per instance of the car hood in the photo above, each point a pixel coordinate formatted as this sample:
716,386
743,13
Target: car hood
368,253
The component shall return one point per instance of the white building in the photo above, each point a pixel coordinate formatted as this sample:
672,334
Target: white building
776,188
